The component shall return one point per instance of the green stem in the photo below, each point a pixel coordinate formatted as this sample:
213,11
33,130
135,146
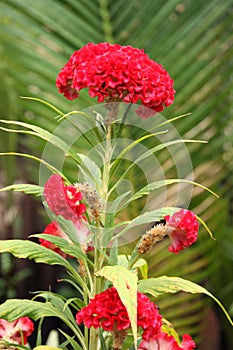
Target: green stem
133,261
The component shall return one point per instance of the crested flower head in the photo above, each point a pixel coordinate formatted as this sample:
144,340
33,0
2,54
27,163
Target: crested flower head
163,341
115,73
17,331
107,311
182,228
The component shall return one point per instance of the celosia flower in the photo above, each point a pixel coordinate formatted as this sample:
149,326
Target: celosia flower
163,341
17,331
182,228
64,200
107,311
116,73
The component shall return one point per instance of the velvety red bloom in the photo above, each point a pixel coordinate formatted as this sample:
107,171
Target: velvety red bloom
64,200
17,331
107,311
182,229
116,73
163,341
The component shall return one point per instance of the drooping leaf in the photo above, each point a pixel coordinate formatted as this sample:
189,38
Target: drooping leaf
25,188
16,308
45,347
70,248
165,284
30,250
39,160
58,302
158,184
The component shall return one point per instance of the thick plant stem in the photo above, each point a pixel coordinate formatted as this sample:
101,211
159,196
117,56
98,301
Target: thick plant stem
98,244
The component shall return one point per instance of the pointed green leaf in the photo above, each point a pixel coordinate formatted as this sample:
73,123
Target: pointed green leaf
49,166
45,347
158,184
29,250
164,284
118,160
70,248
16,308
25,188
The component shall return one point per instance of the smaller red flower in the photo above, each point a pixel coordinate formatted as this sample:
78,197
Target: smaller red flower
64,200
17,331
182,229
187,343
107,311
163,341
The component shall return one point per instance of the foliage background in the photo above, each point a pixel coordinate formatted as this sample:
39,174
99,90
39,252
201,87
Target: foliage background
193,39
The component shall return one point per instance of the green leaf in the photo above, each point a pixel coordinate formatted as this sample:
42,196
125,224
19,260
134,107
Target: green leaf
49,166
141,264
126,284
43,102
119,158
45,347
93,175
74,344
58,302
164,284
16,308
25,188
146,218
29,250
43,134
102,342
158,184
70,248
40,132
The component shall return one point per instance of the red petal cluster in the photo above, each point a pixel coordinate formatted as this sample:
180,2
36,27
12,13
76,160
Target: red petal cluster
13,331
182,229
163,341
63,200
116,73
107,311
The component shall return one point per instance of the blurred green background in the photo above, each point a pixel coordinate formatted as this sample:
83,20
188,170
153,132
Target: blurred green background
193,40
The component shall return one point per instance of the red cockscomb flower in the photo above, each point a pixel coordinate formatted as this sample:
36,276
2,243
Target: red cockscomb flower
107,311
116,73
17,331
163,341
182,229
64,200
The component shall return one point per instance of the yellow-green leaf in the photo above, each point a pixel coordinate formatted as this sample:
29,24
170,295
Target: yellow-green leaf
165,284
125,282
46,347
